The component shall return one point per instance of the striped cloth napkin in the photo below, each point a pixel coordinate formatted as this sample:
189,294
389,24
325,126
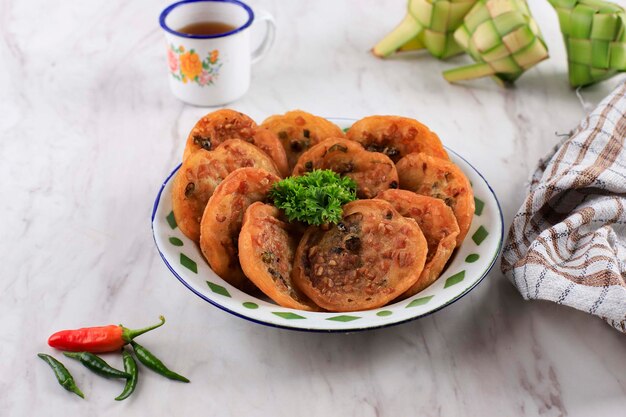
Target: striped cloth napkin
567,243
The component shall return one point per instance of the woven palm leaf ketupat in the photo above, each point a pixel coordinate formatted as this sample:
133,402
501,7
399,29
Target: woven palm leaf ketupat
428,24
595,39
502,37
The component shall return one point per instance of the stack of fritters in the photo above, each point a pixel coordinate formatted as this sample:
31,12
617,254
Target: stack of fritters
415,207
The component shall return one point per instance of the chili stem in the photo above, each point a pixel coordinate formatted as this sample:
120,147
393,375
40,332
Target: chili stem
128,334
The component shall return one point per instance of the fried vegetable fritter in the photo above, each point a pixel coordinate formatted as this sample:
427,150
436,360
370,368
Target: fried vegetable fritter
396,137
222,219
267,246
216,127
439,226
201,173
441,179
372,172
298,131
369,258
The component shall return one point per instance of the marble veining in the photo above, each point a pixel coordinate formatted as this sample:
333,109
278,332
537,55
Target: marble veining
87,134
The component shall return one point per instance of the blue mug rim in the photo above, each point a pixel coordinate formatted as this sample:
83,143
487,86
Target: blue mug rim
172,6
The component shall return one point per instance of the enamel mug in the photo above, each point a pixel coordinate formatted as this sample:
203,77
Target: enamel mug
211,70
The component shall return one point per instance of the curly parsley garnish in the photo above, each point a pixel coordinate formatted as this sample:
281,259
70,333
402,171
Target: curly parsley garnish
314,198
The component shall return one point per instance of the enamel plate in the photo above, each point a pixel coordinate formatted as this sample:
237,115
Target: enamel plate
468,266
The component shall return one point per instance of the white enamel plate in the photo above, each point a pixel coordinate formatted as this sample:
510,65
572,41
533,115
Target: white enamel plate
469,265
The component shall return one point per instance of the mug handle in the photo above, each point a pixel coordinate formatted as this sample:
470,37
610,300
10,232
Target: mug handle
261,51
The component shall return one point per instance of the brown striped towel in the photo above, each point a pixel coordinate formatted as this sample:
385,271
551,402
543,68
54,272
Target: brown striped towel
567,243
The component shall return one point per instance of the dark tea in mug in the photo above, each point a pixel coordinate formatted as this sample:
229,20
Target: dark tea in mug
206,28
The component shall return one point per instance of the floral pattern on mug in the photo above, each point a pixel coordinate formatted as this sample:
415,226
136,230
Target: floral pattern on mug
186,66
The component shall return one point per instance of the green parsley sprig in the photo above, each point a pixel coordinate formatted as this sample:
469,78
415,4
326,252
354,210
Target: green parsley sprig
314,198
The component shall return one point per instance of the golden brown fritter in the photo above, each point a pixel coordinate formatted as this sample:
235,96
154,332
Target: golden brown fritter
396,137
267,246
372,172
369,258
201,173
441,179
299,130
268,142
216,127
222,219
439,226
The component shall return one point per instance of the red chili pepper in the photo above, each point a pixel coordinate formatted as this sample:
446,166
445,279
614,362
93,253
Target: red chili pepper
97,339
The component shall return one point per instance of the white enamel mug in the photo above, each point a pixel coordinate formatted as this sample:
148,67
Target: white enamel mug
210,70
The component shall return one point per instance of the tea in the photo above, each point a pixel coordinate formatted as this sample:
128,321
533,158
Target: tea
206,28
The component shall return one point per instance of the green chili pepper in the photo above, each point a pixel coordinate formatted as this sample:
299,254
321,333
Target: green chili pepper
63,375
130,366
154,363
97,365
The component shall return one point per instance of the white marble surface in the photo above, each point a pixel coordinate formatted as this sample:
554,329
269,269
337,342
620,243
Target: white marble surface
88,130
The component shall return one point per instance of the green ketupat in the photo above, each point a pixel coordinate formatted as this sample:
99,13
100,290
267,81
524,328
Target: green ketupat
428,24
502,37
595,39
